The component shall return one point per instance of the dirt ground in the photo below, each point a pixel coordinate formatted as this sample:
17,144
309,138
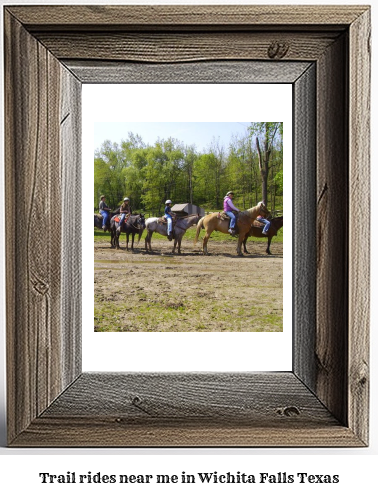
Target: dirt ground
136,291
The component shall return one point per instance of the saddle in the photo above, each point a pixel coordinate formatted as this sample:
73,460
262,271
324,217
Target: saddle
163,220
256,223
224,216
117,218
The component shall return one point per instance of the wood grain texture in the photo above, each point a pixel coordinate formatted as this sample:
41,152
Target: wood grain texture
199,72
100,432
186,410
304,223
359,241
71,225
180,47
241,397
332,236
184,16
34,191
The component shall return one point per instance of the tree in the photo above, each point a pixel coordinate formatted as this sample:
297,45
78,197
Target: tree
266,136
149,174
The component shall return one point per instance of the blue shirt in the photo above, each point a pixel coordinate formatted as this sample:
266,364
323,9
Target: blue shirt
167,211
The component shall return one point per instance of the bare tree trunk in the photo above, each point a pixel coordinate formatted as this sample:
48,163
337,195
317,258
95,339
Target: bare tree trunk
264,169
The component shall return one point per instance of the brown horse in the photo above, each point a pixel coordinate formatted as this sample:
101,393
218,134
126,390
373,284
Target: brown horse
212,222
276,224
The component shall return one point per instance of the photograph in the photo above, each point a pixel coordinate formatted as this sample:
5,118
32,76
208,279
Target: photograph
188,227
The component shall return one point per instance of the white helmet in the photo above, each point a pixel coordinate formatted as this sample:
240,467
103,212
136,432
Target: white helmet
126,199
168,201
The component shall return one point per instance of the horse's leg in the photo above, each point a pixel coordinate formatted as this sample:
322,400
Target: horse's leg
204,243
174,245
179,245
149,240
132,241
112,237
240,241
245,244
127,242
268,247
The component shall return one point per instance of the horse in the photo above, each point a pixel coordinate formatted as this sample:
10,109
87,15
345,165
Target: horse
212,222
275,224
179,229
98,218
135,224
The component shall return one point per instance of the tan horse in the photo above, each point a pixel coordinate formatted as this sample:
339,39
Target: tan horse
212,222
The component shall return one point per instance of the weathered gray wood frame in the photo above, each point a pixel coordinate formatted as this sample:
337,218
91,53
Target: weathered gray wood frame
49,53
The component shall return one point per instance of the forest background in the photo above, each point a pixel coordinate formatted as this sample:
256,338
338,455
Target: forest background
251,165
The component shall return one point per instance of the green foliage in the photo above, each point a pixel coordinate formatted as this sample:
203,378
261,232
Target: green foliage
150,174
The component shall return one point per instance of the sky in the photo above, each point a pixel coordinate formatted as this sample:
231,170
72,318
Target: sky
191,113
199,134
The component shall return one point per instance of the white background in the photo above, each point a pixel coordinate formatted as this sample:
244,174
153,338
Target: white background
356,467
209,351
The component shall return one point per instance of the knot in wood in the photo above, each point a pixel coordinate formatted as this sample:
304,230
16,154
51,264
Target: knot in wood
41,287
288,411
278,50
140,404
363,381
136,400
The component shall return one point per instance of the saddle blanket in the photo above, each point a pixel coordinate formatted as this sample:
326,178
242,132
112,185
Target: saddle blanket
118,218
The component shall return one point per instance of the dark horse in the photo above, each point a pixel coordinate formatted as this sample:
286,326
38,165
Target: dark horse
98,220
135,224
276,224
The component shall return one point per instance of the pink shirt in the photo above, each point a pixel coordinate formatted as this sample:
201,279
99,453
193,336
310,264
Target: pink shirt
228,206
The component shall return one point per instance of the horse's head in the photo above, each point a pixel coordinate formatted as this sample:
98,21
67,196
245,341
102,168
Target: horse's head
262,210
141,222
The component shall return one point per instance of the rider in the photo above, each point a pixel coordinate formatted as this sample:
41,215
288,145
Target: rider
229,208
125,210
104,211
168,216
267,223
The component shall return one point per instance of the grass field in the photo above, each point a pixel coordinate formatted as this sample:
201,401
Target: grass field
189,235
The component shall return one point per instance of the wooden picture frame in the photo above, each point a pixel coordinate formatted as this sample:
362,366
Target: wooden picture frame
324,51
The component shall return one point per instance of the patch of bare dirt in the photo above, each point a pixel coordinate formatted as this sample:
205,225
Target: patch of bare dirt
137,291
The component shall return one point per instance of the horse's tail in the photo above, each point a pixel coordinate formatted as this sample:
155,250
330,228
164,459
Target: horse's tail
140,234
199,227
